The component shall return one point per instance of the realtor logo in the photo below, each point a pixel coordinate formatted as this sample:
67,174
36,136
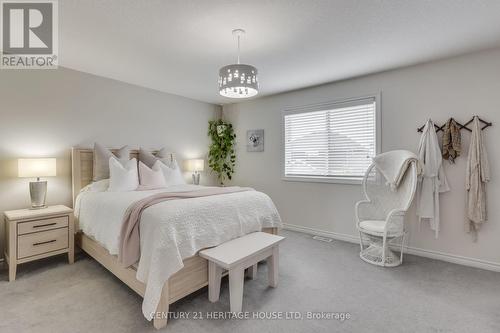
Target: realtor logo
29,34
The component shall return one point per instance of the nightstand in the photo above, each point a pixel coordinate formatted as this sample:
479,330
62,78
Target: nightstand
33,234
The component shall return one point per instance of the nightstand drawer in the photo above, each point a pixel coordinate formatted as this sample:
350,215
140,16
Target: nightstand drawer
42,225
42,242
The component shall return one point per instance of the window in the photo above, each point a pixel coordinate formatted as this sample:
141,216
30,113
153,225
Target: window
332,142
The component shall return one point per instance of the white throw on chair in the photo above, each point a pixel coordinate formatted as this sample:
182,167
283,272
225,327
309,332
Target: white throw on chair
380,217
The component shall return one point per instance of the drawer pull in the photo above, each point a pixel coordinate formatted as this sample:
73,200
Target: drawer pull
47,242
44,225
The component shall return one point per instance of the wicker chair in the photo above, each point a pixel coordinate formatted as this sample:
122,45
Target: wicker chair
380,217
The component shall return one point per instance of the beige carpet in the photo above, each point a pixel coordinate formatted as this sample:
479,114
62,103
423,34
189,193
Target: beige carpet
421,296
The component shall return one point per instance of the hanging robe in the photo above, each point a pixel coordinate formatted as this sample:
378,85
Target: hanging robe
432,181
477,175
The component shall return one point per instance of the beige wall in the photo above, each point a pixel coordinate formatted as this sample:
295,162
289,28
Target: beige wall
46,112
458,87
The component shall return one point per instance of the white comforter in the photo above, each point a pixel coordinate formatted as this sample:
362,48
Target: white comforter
173,230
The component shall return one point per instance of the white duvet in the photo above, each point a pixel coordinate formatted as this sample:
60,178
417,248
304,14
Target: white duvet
173,230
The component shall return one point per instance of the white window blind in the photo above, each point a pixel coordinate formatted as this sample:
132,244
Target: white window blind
333,141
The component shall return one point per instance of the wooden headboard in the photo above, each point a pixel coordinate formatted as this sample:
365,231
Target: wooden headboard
82,167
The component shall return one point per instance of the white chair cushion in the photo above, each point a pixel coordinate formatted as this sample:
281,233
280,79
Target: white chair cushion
373,225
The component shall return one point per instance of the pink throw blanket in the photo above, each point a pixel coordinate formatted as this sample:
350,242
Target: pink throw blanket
129,250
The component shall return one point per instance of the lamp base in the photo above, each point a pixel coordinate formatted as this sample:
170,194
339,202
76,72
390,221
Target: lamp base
196,178
38,194
40,207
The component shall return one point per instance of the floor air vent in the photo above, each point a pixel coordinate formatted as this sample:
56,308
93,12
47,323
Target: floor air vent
322,239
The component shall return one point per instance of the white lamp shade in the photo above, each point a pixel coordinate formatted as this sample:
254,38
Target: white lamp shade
195,165
36,167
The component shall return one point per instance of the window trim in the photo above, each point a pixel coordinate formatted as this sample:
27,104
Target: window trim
323,106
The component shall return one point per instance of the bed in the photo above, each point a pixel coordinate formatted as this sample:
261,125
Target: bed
191,277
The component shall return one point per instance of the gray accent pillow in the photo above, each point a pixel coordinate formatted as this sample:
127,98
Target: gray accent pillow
149,159
101,160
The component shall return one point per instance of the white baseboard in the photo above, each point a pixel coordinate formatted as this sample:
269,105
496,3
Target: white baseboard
456,259
453,258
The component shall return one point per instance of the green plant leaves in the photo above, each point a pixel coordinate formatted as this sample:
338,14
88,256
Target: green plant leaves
221,153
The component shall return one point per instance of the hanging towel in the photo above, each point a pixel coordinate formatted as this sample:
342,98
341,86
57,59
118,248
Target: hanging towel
393,164
432,181
477,175
452,140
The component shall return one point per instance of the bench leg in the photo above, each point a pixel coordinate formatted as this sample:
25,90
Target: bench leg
272,267
214,276
236,289
252,272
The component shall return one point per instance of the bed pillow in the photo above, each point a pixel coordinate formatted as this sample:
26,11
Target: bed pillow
123,178
98,186
172,174
149,159
151,178
101,160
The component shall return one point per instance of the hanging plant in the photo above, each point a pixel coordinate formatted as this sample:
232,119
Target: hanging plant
221,156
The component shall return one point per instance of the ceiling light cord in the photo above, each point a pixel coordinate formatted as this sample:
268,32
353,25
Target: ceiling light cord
238,49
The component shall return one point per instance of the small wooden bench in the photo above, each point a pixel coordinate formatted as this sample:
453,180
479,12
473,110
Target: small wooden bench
237,255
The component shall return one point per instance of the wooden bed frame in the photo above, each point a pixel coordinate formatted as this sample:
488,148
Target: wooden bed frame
192,277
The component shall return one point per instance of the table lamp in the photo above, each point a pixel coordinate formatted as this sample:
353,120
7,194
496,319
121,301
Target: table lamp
36,168
196,166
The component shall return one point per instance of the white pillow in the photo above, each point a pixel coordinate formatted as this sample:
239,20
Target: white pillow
172,174
123,177
100,185
151,178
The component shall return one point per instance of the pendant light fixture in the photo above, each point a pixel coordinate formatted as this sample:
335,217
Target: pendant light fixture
238,80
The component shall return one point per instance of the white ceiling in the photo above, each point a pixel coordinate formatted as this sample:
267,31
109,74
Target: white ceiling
177,46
